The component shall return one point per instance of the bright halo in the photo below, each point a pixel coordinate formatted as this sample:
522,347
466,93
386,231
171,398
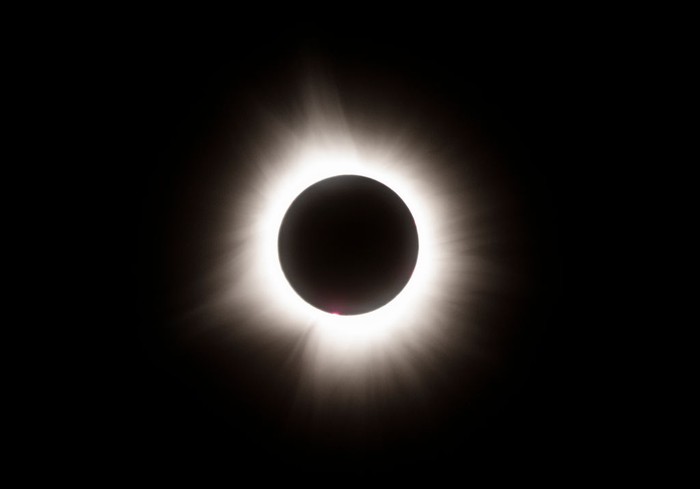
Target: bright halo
379,342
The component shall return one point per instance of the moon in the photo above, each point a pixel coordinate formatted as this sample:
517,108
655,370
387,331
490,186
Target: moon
348,245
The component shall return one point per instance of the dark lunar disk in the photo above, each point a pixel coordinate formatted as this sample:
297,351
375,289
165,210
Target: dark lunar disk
348,245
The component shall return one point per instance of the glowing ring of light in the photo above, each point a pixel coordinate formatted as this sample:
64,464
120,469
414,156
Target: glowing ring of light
347,345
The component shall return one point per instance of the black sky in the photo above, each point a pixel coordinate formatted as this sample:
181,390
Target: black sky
535,91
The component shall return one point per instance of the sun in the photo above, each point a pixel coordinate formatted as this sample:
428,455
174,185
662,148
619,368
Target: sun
337,346
245,300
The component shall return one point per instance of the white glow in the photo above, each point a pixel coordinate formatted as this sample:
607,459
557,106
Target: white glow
362,357
360,346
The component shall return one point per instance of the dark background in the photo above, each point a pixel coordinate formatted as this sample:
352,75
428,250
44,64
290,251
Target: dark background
544,95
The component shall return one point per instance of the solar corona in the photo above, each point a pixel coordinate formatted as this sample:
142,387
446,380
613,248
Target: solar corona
347,244
353,255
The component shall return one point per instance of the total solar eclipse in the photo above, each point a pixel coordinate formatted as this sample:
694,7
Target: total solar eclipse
350,275
348,245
